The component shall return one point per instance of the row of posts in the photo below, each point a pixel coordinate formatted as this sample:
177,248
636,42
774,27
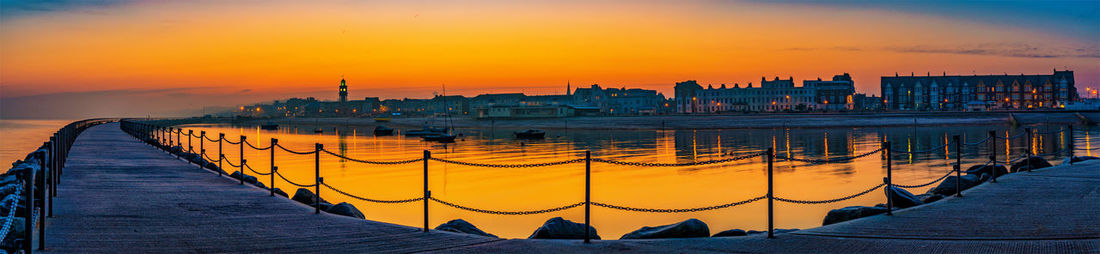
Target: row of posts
52,163
770,154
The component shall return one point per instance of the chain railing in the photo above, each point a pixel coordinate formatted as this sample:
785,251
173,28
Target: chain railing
521,165
373,162
14,198
555,209
292,182
679,210
384,201
834,160
155,135
826,201
684,164
294,152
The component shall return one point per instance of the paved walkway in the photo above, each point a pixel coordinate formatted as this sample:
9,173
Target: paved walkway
121,195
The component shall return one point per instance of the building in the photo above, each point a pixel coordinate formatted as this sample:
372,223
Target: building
978,92
523,111
343,91
619,101
771,96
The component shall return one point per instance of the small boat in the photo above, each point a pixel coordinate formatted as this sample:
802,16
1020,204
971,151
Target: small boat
442,138
269,126
382,130
318,130
381,119
426,131
530,134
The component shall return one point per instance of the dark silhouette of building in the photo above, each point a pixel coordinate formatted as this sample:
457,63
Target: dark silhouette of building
343,91
978,92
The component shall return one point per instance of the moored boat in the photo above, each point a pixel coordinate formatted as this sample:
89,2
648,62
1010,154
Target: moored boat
530,134
269,126
442,138
318,130
382,130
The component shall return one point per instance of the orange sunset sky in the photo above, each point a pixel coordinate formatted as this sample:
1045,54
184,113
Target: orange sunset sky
134,58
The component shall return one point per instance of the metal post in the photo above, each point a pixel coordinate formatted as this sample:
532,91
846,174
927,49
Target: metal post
958,166
202,148
180,141
427,193
993,155
587,195
888,180
771,194
272,187
28,223
221,155
1028,149
44,187
190,148
54,143
242,160
170,138
317,177
1069,143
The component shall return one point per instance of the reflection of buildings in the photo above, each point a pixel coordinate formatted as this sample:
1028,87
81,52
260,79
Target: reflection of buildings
978,92
771,95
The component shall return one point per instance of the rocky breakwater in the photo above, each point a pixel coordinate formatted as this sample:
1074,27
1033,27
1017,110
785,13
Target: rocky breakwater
13,190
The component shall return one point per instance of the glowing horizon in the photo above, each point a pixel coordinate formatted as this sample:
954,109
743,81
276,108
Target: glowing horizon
243,53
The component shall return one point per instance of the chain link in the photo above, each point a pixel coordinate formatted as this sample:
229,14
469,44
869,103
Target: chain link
257,148
373,162
213,140
292,183
208,159
555,209
398,201
14,197
1013,137
832,160
254,171
978,142
897,150
230,162
682,210
294,152
814,202
232,143
487,165
655,164
927,184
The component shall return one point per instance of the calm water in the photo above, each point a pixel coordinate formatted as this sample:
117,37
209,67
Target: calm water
19,137
514,189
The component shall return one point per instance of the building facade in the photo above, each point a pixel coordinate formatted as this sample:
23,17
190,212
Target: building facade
978,92
771,96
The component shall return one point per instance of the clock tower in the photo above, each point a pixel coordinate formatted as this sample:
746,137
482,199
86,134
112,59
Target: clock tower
343,91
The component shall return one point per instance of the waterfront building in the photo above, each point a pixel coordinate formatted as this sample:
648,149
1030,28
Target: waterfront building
771,96
979,92
619,101
524,111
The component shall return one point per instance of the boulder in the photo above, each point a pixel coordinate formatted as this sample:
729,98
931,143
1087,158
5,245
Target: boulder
1076,159
984,177
683,229
280,192
324,206
948,187
558,228
259,184
731,232
902,198
929,198
1031,163
461,226
250,179
851,213
345,209
987,169
236,175
305,196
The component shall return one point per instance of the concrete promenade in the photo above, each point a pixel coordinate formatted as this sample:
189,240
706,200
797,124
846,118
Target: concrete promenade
120,195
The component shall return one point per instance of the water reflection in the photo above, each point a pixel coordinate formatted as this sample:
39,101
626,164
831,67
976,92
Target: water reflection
674,187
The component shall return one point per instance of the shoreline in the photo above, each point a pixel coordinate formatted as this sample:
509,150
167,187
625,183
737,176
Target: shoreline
746,121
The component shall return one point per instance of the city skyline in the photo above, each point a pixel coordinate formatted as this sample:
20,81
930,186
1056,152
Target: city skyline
164,58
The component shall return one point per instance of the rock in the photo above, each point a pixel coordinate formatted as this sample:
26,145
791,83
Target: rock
236,175
259,184
948,187
902,198
461,226
983,177
929,198
1076,159
304,196
683,229
731,232
987,169
345,209
250,179
1031,163
18,228
558,228
851,213
280,192
324,206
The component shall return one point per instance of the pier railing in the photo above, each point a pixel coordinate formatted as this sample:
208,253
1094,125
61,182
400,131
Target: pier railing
169,138
38,176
